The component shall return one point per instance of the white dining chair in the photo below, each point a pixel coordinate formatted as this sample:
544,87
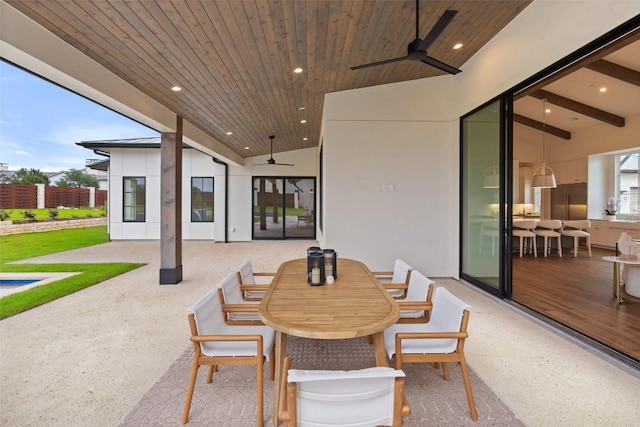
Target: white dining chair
216,343
363,397
416,306
550,229
441,340
251,289
524,231
396,282
577,229
234,307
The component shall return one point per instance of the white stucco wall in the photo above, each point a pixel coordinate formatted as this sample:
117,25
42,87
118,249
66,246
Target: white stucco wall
396,135
138,162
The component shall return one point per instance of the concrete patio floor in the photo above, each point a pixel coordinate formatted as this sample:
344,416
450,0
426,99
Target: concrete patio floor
88,358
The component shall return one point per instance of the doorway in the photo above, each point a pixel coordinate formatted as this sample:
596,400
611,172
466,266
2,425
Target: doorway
284,208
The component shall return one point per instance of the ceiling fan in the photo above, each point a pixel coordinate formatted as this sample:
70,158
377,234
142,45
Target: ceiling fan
271,160
417,49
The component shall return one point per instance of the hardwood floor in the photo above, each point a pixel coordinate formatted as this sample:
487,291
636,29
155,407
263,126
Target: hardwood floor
578,292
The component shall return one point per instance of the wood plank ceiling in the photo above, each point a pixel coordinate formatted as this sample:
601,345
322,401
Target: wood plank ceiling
235,59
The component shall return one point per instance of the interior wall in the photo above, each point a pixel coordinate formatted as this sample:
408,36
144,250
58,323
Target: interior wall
389,175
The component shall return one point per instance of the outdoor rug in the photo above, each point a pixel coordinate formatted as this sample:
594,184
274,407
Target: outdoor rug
230,400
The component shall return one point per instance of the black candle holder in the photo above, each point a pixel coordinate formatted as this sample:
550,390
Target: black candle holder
330,263
315,268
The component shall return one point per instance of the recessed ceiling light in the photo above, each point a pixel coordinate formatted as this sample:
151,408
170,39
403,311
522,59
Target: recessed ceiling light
229,133
246,148
176,88
548,110
603,89
305,139
297,70
301,108
303,121
457,45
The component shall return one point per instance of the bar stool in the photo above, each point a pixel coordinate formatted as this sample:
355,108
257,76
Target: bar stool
550,228
524,230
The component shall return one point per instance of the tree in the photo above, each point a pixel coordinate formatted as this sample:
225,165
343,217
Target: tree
29,177
78,179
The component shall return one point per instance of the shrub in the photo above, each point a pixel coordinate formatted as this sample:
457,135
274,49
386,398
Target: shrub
4,215
28,214
53,213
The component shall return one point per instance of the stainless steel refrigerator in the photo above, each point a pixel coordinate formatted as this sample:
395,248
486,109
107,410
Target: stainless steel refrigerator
569,202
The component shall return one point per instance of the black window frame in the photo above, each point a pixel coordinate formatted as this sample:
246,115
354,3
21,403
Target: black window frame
196,215
137,217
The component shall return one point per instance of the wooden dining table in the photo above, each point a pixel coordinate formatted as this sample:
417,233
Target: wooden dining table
355,305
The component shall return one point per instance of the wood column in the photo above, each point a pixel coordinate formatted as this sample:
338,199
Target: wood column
171,206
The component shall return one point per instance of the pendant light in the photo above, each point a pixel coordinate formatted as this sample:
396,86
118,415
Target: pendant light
544,177
491,177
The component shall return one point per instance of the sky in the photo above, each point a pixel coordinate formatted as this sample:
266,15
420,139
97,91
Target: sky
40,123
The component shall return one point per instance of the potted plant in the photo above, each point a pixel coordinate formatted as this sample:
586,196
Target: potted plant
611,209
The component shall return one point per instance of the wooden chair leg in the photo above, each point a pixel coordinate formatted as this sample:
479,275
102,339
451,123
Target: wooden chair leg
467,386
272,363
212,369
260,388
589,245
445,371
192,384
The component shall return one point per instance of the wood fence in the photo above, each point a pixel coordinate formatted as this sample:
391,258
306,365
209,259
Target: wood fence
18,196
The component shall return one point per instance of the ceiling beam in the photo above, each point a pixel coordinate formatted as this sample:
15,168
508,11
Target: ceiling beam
616,71
623,41
560,133
579,107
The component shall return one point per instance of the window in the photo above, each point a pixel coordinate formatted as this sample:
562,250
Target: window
628,183
134,199
201,199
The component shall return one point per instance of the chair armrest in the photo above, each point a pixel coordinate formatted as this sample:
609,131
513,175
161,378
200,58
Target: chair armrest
240,308
422,335
395,285
415,305
382,273
264,274
210,338
255,287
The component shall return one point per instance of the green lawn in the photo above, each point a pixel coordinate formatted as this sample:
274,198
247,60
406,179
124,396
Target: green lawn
28,245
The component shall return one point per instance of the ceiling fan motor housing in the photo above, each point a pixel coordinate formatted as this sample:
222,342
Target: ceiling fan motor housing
414,52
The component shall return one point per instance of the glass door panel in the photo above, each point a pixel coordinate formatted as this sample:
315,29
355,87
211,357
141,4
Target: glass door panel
267,208
300,208
287,214
481,202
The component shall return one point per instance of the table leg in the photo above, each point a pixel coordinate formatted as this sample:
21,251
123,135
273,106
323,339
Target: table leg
381,353
280,353
616,281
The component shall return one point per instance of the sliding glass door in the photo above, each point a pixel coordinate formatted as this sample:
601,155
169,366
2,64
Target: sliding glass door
284,208
483,200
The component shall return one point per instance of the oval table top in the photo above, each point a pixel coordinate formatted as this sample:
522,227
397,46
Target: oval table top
355,305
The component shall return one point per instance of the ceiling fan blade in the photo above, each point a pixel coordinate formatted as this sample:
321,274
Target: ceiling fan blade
284,164
386,61
441,65
442,23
